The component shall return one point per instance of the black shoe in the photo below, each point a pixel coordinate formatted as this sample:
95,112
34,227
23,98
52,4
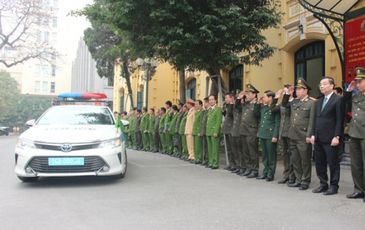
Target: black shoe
294,185
247,172
197,162
290,181
355,195
214,167
232,169
331,191
262,177
242,171
235,171
269,178
253,174
283,181
303,187
228,168
320,189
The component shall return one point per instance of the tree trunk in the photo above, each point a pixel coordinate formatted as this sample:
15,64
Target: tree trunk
127,77
214,74
182,85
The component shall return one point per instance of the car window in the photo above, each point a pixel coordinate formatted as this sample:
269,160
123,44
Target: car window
78,115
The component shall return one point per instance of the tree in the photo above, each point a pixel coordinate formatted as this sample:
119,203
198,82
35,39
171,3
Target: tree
9,96
200,35
108,45
19,23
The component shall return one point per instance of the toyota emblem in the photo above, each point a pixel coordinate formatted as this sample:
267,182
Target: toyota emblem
66,148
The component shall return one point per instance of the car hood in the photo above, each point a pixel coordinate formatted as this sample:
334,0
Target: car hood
71,133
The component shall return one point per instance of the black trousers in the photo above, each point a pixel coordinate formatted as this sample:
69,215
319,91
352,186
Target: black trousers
357,153
232,159
325,154
237,152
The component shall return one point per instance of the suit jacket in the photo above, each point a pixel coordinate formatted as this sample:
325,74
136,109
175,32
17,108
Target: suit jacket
328,123
302,114
197,122
356,104
182,124
269,122
228,118
214,121
172,128
249,120
203,125
237,110
190,122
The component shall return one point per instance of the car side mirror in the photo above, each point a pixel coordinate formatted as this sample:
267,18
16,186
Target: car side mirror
30,123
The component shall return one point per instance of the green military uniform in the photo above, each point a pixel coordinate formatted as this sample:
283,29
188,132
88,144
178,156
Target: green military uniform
151,132
202,135
126,132
144,130
132,131
198,145
172,132
357,134
184,149
268,129
249,140
119,125
162,133
168,136
177,135
138,133
301,125
214,123
226,131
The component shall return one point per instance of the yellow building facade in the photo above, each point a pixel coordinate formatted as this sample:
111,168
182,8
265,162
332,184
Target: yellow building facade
304,49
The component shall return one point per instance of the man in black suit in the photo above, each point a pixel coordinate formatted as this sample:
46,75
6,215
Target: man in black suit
327,133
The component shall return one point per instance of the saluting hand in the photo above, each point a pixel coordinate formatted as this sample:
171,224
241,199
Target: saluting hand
279,93
351,87
261,99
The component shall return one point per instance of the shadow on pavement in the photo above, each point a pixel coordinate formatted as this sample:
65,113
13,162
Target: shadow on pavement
60,182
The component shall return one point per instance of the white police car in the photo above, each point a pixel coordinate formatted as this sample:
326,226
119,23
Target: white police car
71,140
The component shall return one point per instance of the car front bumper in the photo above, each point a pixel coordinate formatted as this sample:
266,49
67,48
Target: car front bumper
114,159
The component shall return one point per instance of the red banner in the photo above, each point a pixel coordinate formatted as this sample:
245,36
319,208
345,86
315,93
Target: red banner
354,46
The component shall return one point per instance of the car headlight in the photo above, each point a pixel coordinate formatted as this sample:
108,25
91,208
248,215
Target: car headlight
110,143
25,143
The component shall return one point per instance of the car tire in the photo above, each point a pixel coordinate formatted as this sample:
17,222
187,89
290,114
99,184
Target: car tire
122,174
28,179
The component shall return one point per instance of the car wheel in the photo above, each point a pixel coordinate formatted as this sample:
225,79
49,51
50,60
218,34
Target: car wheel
125,163
28,179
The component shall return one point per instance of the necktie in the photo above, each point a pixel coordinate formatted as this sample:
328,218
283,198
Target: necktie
325,100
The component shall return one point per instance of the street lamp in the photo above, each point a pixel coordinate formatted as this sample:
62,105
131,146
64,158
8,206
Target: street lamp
147,65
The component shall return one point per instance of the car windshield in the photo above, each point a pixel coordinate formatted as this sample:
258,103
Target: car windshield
76,115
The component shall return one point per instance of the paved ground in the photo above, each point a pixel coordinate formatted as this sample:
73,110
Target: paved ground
160,192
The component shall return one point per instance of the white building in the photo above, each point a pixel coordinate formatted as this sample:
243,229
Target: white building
43,77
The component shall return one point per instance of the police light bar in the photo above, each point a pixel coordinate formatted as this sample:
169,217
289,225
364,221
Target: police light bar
82,99
81,96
